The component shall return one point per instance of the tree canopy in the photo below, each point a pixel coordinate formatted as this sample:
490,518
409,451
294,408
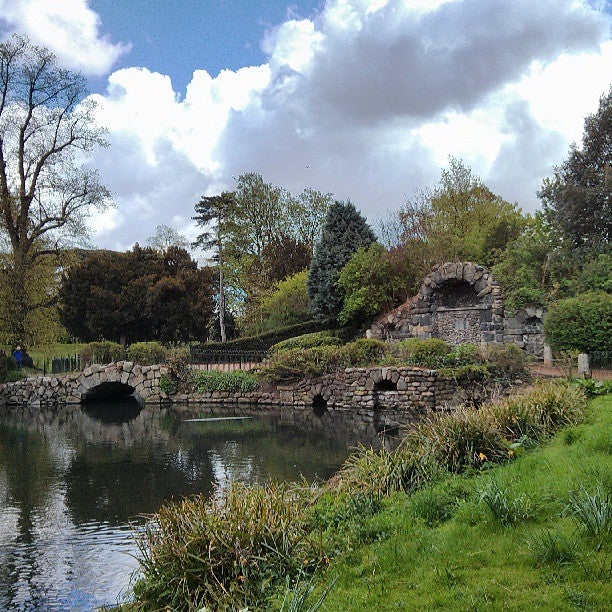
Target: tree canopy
46,125
460,219
578,198
138,295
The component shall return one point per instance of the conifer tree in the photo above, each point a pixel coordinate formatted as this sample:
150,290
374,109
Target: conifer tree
345,230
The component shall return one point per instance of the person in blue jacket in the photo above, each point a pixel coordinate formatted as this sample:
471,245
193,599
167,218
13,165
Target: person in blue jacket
18,356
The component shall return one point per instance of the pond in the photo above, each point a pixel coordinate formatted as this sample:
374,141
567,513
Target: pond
75,482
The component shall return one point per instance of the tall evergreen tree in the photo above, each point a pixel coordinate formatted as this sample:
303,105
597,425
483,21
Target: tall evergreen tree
344,232
216,214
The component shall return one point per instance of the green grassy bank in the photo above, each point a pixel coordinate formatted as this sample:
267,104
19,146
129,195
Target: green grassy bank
508,507
532,534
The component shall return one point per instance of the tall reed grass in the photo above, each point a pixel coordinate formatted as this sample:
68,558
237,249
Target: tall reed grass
205,553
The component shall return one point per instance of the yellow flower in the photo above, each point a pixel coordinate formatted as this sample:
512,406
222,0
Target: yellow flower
482,456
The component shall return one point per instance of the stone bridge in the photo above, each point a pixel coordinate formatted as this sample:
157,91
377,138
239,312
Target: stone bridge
123,378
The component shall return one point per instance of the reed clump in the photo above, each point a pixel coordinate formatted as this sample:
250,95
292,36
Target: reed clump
202,552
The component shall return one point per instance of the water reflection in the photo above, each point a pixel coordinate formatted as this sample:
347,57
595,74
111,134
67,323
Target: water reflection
73,482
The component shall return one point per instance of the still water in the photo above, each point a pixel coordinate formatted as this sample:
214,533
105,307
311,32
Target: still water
75,483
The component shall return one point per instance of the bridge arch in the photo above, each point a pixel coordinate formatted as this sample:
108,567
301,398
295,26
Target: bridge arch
123,378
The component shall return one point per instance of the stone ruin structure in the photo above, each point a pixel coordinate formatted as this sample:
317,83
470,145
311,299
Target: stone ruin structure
462,302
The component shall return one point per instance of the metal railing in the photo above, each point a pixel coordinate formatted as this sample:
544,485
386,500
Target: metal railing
205,356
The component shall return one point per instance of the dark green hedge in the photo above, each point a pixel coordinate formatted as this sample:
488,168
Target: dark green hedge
262,342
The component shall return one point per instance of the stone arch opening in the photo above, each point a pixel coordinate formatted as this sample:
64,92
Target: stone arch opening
385,385
108,392
455,293
319,405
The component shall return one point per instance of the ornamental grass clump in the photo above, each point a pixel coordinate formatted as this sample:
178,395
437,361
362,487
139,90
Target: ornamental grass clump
382,472
591,511
540,411
224,554
235,381
464,438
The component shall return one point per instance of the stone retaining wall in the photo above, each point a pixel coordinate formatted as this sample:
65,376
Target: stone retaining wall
414,390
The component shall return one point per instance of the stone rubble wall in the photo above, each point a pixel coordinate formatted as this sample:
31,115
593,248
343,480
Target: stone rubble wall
418,391
73,388
483,320
414,390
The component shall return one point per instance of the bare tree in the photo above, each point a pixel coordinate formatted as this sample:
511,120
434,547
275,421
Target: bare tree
166,237
46,192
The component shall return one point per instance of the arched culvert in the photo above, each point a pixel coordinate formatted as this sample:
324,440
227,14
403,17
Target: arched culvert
385,385
108,391
319,405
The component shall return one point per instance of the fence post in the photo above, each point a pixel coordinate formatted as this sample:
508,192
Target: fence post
584,368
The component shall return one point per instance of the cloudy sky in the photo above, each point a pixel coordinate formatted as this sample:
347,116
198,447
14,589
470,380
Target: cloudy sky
362,98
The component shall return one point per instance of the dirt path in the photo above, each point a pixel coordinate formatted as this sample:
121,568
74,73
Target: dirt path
538,369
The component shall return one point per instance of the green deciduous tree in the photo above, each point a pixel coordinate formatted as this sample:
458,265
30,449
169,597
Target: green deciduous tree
139,295
46,125
461,219
345,230
578,198
373,281
287,304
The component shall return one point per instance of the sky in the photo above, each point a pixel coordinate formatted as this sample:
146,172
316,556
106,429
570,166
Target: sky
365,99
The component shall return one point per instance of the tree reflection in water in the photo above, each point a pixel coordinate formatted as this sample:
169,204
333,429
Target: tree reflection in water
74,481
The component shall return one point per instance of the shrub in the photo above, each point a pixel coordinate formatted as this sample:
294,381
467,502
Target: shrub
582,323
365,352
461,439
102,352
429,353
168,385
222,555
294,363
237,380
464,355
147,353
505,508
305,341
505,360
298,363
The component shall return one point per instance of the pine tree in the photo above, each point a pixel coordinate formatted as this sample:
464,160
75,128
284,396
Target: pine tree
344,232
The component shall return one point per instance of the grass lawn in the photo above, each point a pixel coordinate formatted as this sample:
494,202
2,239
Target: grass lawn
446,548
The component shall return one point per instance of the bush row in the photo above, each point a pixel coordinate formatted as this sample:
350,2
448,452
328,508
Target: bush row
144,353
317,354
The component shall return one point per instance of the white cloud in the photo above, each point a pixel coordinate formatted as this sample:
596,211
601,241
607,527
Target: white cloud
367,100
69,28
